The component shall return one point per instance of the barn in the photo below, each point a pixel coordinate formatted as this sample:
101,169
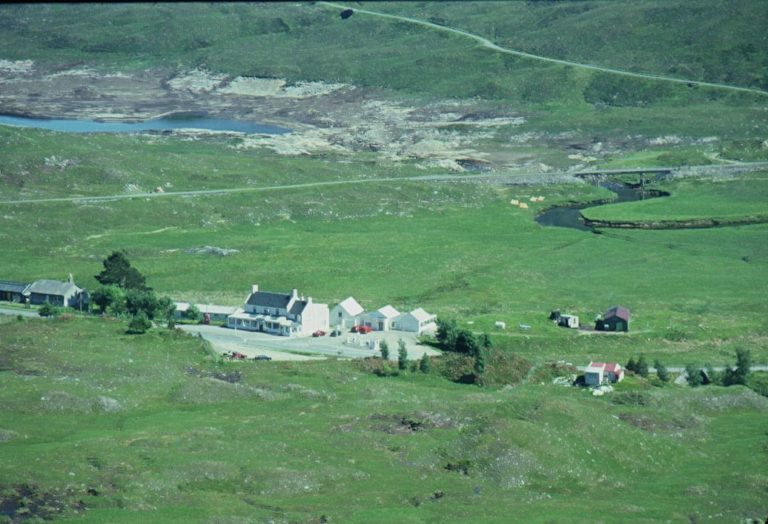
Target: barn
615,319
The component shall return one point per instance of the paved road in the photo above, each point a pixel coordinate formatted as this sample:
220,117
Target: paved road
565,175
23,312
285,348
490,45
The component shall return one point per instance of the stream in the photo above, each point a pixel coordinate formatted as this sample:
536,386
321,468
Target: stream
570,216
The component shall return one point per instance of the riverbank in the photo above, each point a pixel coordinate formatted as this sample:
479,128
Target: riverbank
677,224
694,203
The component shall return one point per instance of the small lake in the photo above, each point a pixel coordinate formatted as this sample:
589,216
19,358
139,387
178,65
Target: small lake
569,216
157,124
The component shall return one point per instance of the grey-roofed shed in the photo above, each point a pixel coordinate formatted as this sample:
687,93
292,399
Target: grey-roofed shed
12,291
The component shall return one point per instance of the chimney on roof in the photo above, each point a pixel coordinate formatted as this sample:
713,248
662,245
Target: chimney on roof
255,288
71,279
309,300
295,293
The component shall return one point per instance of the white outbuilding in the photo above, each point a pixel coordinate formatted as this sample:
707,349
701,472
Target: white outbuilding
346,314
381,319
417,321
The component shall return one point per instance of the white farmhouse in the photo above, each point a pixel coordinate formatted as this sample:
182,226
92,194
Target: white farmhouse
381,319
280,314
417,321
346,314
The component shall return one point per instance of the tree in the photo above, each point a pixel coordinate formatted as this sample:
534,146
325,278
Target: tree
642,366
480,362
106,296
466,343
661,371
485,342
193,313
694,375
139,324
446,333
402,355
118,272
631,365
739,374
384,350
145,301
425,365
166,309
743,365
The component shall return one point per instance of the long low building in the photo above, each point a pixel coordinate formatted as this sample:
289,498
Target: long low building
53,292
12,291
285,314
215,313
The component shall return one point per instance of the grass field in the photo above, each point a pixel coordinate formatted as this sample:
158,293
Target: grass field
689,200
151,428
456,248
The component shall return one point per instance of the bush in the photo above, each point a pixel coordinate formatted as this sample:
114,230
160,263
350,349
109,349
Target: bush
139,324
48,310
424,364
694,375
661,371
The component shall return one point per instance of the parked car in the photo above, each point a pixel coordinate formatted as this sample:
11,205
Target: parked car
336,332
364,330
262,357
319,333
237,355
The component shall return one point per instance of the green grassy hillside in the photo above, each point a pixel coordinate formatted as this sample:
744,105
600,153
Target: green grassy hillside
151,428
703,40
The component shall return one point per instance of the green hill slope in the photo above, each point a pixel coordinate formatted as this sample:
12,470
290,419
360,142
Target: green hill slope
705,40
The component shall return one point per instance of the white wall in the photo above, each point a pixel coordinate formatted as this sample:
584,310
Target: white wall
343,321
314,317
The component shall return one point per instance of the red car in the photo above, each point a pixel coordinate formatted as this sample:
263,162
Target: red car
364,330
237,355
319,333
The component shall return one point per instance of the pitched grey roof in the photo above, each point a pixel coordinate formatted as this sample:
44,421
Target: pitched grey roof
269,299
298,307
51,287
12,287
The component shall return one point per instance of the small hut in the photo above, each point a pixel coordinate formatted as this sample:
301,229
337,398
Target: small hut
615,319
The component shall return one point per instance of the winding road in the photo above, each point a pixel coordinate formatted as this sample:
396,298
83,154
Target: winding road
495,47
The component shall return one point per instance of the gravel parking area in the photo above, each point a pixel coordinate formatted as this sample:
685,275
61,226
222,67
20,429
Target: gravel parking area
347,345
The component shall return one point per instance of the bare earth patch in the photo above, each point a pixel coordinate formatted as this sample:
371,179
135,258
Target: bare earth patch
323,117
